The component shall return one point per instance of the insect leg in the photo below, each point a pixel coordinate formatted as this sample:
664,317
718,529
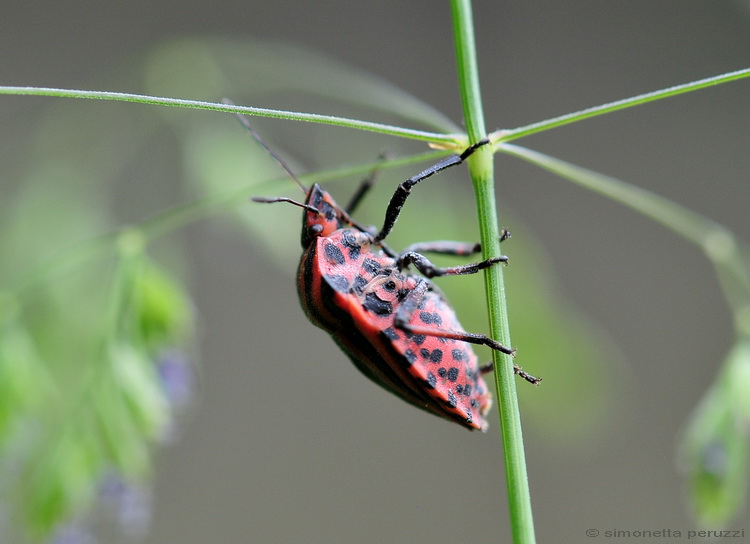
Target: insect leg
409,306
447,247
490,367
364,188
402,192
429,270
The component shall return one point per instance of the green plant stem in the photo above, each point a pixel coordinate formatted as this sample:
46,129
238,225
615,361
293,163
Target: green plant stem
481,170
507,135
448,140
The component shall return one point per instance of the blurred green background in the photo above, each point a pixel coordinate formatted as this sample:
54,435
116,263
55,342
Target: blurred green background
285,441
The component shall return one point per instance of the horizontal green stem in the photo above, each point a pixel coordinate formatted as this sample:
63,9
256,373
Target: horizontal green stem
436,137
521,132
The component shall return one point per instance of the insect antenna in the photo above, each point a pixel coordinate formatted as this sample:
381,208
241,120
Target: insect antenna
274,156
271,200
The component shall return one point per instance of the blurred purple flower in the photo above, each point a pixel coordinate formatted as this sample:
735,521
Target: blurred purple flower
73,533
176,376
129,503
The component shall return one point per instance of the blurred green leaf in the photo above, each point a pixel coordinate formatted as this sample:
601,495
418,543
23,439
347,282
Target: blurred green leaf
24,381
139,390
160,309
121,434
68,414
714,452
62,479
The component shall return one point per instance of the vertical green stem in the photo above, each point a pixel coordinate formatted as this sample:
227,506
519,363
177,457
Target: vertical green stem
481,169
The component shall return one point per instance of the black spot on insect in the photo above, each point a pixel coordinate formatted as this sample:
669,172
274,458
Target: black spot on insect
469,417
436,356
422,303
442,371
467,389
350,242
317,199
327,210
411,357
418,339
453,373
425,317
338,282
452,399
359,284
425,353
459,388
334,254
431,380
458,354
473,403
391,334
402,294
389,286
430,318
371,266
377,305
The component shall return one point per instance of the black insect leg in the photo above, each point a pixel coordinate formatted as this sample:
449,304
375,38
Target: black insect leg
363,188
448,247
410,305
402,192
490,367
429,270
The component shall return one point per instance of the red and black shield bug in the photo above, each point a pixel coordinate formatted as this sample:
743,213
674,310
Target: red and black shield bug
395,326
